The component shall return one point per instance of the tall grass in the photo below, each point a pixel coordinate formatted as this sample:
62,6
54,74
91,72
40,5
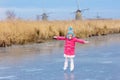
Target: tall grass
22,32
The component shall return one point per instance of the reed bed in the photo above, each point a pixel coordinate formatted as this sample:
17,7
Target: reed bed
22,32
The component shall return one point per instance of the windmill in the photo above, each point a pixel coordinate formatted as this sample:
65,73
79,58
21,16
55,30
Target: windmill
44,17
98,16
78,12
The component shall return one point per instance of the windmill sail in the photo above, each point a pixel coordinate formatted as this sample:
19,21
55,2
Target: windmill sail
77,2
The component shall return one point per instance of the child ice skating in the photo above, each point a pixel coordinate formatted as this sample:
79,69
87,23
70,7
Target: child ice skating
69,47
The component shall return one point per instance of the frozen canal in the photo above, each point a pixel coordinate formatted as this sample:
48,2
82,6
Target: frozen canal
98,60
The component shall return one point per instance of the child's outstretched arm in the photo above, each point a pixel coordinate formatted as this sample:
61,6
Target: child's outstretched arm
59,37
81,41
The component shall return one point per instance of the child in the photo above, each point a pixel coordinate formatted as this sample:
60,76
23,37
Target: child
69,49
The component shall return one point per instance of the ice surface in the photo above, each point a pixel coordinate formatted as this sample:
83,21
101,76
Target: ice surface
98,60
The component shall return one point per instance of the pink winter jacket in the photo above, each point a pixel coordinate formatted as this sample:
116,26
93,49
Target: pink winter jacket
69,46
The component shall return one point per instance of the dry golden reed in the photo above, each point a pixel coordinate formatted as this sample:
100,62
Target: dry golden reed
21,32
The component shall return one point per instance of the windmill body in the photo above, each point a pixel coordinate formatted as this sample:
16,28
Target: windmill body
78,15
44,17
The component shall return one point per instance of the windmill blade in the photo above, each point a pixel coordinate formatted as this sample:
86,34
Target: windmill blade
73,12
44,15
43,10
84,10
49,13
77,2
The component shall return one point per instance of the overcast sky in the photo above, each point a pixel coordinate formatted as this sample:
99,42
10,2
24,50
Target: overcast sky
61,9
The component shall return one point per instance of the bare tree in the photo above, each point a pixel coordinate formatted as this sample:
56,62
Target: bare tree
10,15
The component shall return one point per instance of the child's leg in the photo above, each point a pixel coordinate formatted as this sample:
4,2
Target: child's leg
71,64
65,63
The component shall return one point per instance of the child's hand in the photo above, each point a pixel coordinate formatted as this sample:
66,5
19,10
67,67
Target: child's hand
55,37
86,42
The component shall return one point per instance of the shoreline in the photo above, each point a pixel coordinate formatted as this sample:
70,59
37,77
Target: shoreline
25,32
